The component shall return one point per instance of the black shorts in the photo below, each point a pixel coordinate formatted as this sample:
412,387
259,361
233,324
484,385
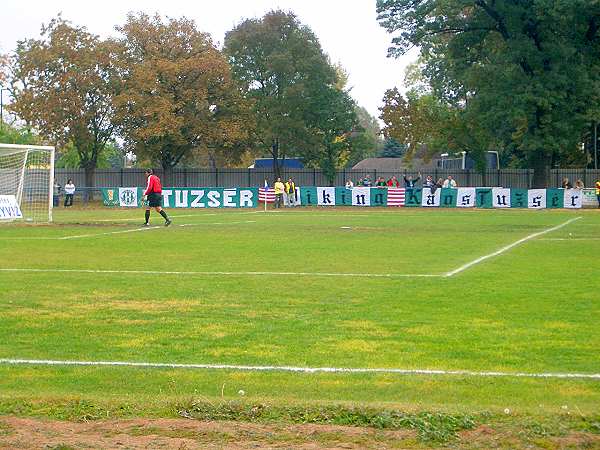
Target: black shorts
154,200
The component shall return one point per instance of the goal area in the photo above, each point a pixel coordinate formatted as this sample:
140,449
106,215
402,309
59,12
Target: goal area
26,180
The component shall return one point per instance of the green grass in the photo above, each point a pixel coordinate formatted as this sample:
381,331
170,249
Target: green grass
532,309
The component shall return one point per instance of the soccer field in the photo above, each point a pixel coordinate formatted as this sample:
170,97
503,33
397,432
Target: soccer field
460,293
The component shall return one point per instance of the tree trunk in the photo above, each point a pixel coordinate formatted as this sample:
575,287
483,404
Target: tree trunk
167,178
89,183
541,170
275,154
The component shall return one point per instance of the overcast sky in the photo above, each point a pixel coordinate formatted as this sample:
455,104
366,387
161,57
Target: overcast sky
347,29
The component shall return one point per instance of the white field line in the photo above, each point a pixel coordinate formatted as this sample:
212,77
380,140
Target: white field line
216,223
220,273
135,230
570,239
80,236
508,247
147,365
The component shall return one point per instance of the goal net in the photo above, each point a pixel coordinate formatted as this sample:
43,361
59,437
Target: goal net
26,180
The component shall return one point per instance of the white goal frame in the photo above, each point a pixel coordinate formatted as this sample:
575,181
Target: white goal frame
5,149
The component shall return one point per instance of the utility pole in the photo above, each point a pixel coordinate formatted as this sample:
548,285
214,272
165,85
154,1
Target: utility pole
596,145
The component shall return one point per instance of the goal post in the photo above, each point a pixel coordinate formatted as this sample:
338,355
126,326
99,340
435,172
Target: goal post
27,180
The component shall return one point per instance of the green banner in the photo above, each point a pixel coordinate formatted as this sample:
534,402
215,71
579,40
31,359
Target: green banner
484,198
518,198
185,197
413,197
308,196
379,197
343,196
448,198
555,198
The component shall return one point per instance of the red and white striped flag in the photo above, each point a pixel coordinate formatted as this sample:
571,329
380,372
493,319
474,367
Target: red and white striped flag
267,193
396,196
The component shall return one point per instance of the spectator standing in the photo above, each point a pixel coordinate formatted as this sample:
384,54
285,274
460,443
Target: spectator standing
598,192
393,182
381,183
566,184
450,182
349,184
69,192
367,181
279,190
579,184
290,192
409,183
438,185
429,183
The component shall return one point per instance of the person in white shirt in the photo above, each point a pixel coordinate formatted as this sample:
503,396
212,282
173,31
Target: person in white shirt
450,183
69,191
349,184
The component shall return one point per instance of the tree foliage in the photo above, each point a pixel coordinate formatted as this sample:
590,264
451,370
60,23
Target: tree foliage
522,73
177,95
285,73
392,149
63,85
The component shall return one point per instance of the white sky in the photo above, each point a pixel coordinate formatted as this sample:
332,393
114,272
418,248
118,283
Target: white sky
347,29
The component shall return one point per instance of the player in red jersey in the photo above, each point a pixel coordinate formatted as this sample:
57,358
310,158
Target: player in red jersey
153,193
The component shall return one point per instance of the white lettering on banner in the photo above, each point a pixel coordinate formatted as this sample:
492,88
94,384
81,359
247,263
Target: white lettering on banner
501,197
9,208
573,198
128,197
166,195
245,198
536,198
228,195
326,196
213,199
197,195
430,200
465,198
361,196
181,199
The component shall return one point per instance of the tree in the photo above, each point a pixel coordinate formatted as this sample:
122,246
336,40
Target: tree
285,73
524,73
392,149
366,140
62,85
332,122
177,96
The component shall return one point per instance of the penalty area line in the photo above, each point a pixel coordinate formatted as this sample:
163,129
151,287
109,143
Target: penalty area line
309,370
508,247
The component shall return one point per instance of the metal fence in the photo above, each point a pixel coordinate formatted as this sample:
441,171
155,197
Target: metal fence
228,178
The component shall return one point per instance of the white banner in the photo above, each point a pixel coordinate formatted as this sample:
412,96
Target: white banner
536,198
361,196
9,208
128,197
573,198
590,199
326,196
501,197
465,198
429,200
